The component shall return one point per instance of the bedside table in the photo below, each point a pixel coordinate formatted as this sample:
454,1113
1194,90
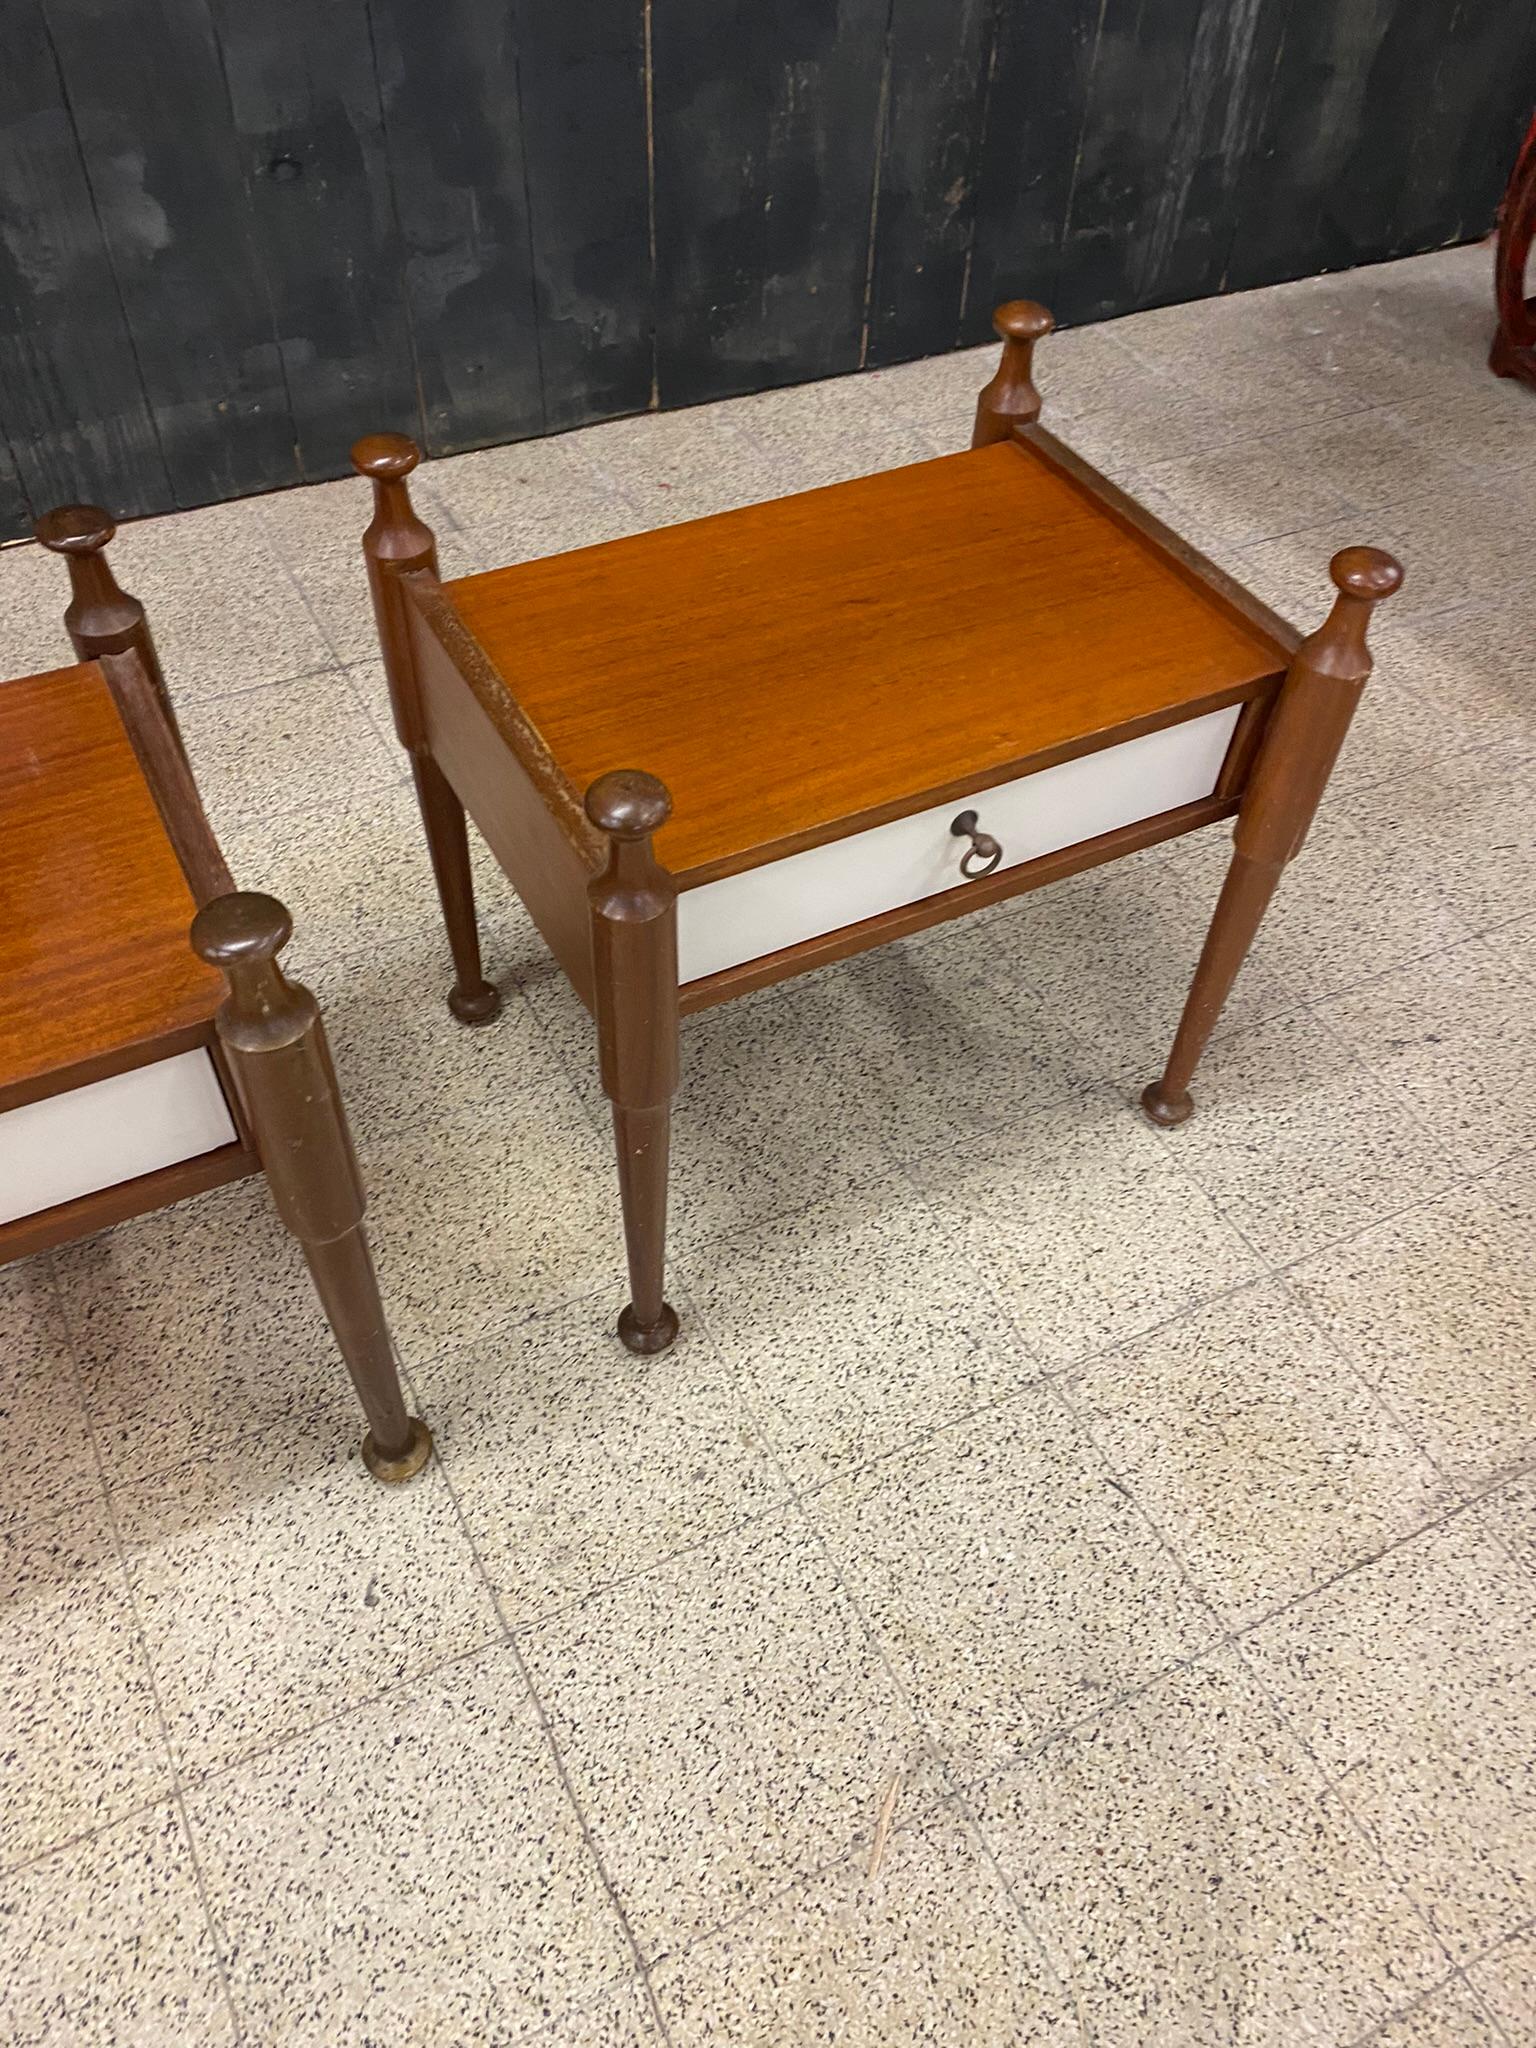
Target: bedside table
151,1046
719,754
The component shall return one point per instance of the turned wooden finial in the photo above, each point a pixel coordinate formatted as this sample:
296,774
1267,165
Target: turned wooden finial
241,931
395,543
396,534
628,804
1011,400
1362,577
102,618
274,1039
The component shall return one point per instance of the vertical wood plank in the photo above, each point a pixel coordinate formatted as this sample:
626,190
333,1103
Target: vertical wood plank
1467,94
448,74
76,419
765,122
145,84
1332,144
309,132
1180,240
1132,158
1036,95
940,51
582,75
219,239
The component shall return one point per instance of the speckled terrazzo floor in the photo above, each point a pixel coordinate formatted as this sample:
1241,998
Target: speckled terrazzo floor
1144,1524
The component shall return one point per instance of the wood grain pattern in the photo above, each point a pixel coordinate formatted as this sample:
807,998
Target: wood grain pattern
452,115
939,52
1482,58
857,651
74,408
224,229
94,910
1184,229
1158,81
766,123
304,103
581,72
146,91
526,811
1030,133
1349,73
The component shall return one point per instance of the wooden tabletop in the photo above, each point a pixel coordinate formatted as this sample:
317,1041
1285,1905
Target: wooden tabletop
94,909
848,650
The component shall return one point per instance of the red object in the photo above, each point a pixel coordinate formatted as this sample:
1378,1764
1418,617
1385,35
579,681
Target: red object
1514,345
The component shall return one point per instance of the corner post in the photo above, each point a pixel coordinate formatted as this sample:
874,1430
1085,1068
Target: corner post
398,544
634,958
270,1029
1011,400
101,617
1306,729
1513,353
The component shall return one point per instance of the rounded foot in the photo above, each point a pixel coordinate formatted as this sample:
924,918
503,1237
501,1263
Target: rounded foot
648,1338
1166,1110
479,1006
408,1463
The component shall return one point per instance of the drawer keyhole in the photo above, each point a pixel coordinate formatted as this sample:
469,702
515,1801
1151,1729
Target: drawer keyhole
983,853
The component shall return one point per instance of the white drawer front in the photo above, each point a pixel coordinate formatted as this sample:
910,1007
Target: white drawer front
742,917
110,1131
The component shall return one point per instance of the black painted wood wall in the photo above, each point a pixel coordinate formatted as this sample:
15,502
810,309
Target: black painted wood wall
234,234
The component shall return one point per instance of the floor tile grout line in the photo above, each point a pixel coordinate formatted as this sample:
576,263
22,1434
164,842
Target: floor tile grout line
1233,1640
199,1780
1047,1369
930,1748
1424,1205
1394,1876
1418,2004
1227,1638
589,1837
552,1745
1268,1268
168,1748
1484,1955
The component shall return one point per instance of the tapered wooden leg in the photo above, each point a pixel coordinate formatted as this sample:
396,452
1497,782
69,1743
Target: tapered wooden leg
642,1138
275,1043
397,544
634,959
472,999
1243,901
397,1444
1301,743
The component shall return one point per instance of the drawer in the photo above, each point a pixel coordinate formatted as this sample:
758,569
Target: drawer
742,917
110,1131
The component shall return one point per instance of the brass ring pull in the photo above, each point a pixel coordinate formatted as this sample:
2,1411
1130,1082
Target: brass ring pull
983,854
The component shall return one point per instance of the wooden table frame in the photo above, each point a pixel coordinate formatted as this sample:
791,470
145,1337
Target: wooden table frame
263,1033
584,864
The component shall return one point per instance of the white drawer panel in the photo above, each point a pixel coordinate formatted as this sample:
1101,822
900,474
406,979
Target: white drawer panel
110,1131
741,917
